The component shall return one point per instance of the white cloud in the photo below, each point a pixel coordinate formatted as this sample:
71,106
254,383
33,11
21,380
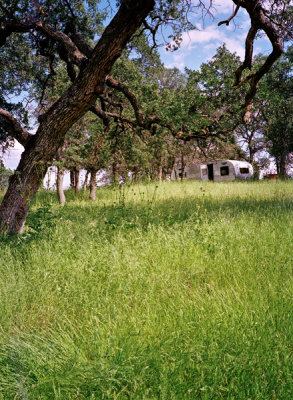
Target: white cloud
178,60
213,36
200,45
223,6
218,6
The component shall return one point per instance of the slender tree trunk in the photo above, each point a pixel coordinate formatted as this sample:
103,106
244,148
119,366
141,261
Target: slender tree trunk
135,174
160,173
114,173
76,180
173,170
182,166
93,185
72,178
282,166
42,147
60,191
251,154
84,186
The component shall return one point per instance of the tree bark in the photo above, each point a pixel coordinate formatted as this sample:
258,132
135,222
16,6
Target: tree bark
93,185
182,166
160,173
60,191
281,166
173,170
114,173
42,147
72,178
76,180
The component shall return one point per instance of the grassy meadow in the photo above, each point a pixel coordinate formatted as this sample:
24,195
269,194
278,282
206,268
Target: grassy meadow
169,291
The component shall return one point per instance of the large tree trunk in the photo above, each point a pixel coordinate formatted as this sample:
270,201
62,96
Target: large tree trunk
71,106
22,187
59,184
93,185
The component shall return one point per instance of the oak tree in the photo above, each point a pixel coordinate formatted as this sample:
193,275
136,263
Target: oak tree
50,32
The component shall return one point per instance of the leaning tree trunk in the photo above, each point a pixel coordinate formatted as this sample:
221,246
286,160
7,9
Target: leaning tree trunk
59,184
42,147
93,185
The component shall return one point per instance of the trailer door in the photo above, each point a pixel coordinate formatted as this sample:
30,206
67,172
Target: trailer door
211,172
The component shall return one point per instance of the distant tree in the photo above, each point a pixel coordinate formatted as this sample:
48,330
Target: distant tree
4,176
276,106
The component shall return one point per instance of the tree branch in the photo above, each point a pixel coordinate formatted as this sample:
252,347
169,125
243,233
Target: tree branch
227,21
71,49
110,81
27,24
13,127
259,21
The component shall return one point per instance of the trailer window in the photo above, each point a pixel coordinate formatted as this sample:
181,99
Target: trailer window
244,171
224,171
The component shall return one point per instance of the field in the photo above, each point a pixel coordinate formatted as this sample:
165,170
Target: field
170,291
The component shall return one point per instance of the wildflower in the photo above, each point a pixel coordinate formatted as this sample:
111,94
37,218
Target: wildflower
105,219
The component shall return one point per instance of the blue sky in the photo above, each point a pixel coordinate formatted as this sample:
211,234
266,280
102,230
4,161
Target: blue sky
200,45
197,47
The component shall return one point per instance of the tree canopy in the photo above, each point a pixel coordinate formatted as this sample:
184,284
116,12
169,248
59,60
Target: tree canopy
43,38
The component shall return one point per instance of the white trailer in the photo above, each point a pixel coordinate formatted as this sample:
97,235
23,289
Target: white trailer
218,171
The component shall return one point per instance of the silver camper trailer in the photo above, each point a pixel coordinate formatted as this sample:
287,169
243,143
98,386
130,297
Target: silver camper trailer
218,171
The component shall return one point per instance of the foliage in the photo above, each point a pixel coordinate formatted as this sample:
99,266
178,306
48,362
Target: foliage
276,108
4,176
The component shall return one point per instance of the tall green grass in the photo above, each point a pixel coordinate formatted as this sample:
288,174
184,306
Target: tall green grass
170,291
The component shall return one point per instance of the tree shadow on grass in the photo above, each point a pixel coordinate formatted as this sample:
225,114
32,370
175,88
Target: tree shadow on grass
171,212
97,218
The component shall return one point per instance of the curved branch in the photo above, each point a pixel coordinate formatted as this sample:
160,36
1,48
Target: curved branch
227,21
110,81
23,25
13,127
259,21
71,49
247,63
27,24
79,41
